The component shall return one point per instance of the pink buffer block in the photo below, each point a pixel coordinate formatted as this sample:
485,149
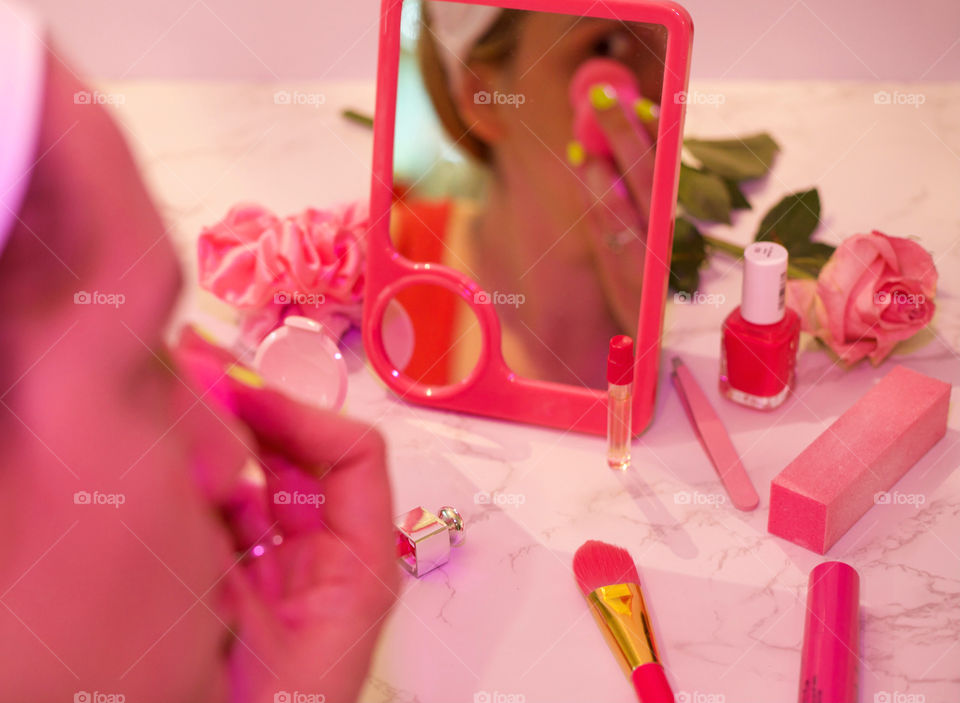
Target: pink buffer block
834,481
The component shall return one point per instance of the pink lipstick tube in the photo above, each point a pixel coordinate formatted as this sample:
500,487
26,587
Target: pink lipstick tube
831,635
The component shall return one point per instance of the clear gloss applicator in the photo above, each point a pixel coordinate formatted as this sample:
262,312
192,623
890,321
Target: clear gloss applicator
619,401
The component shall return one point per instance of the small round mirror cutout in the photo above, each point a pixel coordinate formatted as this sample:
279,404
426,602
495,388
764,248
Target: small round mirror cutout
446,335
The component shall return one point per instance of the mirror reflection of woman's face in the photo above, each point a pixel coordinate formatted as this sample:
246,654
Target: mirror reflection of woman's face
543,231
532,137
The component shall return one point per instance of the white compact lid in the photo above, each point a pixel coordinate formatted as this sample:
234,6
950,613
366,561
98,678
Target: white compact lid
300,360
764,283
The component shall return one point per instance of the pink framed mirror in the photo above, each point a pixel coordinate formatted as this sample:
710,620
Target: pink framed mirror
526,157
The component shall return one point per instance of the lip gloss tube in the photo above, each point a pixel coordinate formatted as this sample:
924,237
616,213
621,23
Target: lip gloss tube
831,635
619,401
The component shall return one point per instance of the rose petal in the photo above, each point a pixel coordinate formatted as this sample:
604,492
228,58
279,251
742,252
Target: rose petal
853,260
801,296
914,262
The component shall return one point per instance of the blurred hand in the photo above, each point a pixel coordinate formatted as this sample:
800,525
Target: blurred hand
309,608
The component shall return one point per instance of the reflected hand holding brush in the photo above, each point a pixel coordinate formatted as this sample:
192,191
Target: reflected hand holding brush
613,156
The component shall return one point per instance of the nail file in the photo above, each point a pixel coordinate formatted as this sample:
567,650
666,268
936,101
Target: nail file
824,491
714,438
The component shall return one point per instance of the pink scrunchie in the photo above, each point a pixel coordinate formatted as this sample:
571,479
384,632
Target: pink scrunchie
309,264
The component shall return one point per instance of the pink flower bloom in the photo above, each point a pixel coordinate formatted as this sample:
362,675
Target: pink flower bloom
309,264
874,292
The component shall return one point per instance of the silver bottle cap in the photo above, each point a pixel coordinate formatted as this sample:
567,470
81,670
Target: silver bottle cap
424,539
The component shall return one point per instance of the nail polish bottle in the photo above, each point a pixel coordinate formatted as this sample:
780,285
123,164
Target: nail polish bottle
759,350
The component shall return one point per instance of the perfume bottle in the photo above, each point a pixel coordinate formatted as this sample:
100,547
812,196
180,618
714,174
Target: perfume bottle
423,539
758,354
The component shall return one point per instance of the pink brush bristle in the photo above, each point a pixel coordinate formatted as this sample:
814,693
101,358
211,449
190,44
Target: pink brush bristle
598,564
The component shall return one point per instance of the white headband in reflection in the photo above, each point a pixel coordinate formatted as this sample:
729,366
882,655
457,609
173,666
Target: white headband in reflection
456,28
21,89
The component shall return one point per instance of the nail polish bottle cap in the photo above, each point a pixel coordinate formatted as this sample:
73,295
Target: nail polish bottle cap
620,360
423,540
764,283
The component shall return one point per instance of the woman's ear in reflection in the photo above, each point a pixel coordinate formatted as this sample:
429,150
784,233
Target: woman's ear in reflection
477,103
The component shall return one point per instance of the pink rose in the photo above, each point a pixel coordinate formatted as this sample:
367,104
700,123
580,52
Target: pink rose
874,292
309,264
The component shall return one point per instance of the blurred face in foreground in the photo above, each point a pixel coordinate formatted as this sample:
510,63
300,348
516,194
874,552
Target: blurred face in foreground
126,566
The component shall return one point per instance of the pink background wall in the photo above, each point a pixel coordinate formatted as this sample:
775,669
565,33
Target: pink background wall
901,40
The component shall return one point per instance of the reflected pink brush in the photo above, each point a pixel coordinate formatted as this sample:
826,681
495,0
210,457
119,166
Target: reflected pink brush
609,580
606,72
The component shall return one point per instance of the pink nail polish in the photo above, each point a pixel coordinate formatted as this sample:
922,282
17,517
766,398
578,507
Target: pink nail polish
758,354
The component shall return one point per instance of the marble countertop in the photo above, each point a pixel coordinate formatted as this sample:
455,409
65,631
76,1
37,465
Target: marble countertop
503,620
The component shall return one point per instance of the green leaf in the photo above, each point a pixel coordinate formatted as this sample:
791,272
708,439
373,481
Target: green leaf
738,201
812,249
809,257
737,159
688,255
703,195
792,220
357,116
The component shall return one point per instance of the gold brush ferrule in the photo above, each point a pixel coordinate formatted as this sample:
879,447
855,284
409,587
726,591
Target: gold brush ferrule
623,619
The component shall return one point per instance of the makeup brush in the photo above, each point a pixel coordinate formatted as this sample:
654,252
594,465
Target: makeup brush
609,580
